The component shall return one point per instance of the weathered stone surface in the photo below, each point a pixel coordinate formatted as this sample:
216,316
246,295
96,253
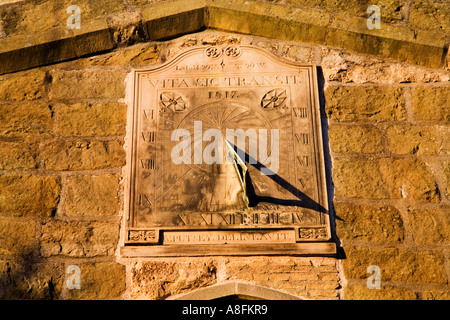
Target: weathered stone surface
32,18
78,239
103,280
374,224
392,10
364,104
349,67
430,226
29,195
87,84
30,280
27,85
396,264
160,279
17,155
92,119
420,140
384,178
436,295
431,103
81,154
17,238
355,139
137,55
302,54
251,17
356,292
390,41
92,196
446,166
26,119
430,15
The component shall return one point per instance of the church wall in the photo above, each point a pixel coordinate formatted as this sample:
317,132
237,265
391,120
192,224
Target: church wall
63,167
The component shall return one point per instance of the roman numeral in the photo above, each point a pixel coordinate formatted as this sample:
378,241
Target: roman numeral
149,114
148,164
302,138
300,112
144,200
301,182
304,161
149,136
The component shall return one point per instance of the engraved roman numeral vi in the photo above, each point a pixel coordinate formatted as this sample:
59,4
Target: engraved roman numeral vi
304,161
149,114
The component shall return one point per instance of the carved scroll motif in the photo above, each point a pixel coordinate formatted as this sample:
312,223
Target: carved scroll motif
143,235
313,233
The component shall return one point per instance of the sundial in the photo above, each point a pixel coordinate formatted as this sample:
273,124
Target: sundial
226,157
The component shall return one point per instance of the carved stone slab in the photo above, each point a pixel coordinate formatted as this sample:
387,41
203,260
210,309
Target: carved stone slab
226,148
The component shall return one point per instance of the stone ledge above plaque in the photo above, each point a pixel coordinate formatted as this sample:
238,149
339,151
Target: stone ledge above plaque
226,154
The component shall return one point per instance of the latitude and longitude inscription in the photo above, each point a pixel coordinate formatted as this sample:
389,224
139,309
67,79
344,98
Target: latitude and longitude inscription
226,149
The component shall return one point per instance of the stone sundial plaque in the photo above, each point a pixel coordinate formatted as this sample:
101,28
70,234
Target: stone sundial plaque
226,157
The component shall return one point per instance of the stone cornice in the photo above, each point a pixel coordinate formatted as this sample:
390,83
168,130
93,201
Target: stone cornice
168,20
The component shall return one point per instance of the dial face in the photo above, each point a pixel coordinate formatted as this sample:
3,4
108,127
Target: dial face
224,139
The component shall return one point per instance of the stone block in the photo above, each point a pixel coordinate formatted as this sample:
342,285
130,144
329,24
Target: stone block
355,139
87,84
92,119
28,85
29,195
446,165
420,140
17,155
436,295
135,56
390,41
27,120
431,103
92,196
297,25
81,154
430,15
27,279
396,264
430,226
102,280
160,279
358,292
32,18
17,238
78,239
365,104
374,224
384,178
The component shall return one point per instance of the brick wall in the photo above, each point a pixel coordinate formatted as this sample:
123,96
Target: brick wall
62,129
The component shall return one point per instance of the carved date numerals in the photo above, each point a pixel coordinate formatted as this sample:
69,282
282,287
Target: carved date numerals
222,95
